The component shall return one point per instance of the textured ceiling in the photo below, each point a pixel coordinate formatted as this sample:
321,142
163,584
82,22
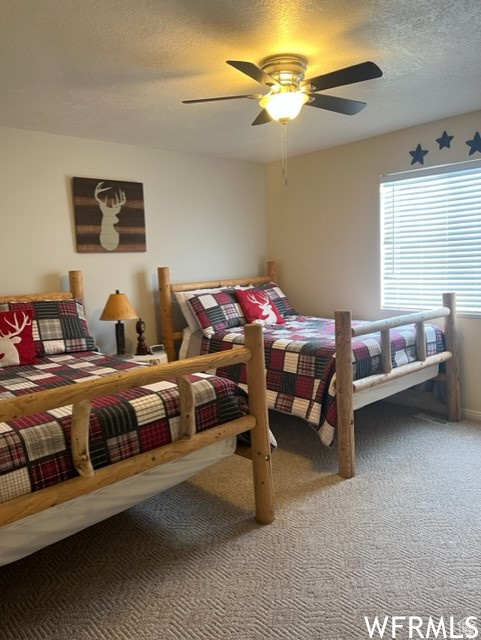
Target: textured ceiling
118,70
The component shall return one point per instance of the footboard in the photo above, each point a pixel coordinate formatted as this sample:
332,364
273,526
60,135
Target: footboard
353,394
80,396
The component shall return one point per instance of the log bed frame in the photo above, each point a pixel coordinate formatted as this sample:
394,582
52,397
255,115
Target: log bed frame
80,396
351,395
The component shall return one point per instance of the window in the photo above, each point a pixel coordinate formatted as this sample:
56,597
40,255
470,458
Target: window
431,237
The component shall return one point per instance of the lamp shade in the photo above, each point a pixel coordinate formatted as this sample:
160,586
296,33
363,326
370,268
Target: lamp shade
284,105
118,307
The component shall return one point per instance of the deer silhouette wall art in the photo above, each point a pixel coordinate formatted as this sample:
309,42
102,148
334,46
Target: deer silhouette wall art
109,215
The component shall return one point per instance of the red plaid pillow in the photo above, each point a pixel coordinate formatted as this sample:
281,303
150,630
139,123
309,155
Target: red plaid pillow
258,306
16,338
217,311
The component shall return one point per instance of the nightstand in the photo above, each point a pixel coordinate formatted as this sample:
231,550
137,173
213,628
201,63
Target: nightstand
151,358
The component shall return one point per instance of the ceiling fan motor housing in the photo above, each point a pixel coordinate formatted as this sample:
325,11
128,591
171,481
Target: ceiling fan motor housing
287,69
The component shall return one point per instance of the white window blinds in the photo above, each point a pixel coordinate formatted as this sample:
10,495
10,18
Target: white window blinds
431,237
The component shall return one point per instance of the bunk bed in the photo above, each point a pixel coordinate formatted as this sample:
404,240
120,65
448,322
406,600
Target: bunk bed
342,365
84,435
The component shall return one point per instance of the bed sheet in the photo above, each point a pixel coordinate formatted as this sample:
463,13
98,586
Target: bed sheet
35,450
301,365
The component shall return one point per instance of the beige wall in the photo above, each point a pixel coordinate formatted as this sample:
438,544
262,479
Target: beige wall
207,216
204,217
323,228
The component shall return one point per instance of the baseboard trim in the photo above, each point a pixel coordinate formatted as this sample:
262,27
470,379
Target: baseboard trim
467,414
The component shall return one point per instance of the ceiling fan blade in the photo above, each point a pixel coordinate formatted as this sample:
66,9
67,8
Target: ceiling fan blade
215,99
262,118
357,73
332,103
253,71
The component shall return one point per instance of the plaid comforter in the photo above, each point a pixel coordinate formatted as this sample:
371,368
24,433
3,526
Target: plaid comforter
35,451
301,364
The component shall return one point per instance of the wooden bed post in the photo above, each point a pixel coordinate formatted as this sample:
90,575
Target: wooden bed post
344,395
452,365
76,284
261,450
80,438
166,328
272,270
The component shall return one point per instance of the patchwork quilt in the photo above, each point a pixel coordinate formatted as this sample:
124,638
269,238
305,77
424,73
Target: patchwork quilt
35,450
301,363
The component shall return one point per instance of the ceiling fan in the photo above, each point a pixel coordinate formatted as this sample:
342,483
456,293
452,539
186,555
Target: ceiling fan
288,90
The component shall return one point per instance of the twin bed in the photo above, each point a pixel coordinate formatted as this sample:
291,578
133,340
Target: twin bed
318,369
84,435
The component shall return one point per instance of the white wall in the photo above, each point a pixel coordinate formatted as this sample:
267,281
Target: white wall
204,217
323,228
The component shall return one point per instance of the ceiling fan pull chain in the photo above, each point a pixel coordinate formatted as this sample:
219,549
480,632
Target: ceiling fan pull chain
284,150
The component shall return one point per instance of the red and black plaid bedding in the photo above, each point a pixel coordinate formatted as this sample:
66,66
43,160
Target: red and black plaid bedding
35,450
301,365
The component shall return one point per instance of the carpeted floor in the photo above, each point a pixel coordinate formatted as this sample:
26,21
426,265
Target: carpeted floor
400,539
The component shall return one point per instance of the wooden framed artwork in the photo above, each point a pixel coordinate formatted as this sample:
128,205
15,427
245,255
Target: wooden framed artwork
109,215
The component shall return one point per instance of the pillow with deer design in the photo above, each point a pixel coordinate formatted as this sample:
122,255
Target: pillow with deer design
278,298
16,338
58,326
257,306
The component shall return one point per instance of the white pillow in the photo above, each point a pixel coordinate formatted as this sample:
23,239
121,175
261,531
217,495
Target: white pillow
183,296
191,343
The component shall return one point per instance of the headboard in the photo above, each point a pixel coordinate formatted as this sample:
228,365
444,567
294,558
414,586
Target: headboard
167,288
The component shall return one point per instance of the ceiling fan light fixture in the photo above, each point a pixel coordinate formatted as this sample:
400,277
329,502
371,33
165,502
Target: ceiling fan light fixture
284,105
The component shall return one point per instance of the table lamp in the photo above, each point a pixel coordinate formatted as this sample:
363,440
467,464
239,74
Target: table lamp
118,308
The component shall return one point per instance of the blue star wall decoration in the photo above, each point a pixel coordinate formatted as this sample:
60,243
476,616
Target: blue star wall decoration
418,154
474,144
444,141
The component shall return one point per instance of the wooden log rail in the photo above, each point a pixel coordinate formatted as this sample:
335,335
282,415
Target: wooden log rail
385,326
80,395
40,401
346,387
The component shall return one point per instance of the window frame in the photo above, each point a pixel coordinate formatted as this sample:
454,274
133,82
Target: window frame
401,176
